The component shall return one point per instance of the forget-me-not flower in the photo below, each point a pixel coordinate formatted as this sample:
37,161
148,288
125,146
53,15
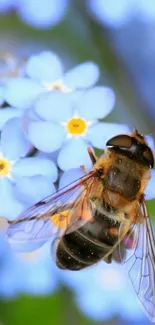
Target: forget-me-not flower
45,74
6,5
7,113
117,13
10,66
1,95
23,181
70,123
38,275
37,13
102,292
42,13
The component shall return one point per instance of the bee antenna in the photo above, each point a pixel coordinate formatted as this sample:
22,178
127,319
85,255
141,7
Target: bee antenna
92,155
135,130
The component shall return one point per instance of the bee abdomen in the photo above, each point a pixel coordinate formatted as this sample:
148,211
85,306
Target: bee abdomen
84,247
76,252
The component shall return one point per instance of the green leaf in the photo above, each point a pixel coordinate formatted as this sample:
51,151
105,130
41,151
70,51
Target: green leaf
57,309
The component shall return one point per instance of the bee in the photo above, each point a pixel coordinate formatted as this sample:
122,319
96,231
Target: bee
101,216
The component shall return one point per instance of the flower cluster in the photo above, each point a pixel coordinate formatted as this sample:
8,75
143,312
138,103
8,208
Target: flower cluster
61,111
48,118
48,13
102,292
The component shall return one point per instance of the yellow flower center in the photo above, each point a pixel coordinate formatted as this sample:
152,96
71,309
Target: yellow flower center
76,126
57,85
62,219
5,167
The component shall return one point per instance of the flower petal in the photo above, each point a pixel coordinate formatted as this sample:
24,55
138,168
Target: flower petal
42,13
110,12
1,95
10,208
46,136
82,76
93,306
22,92
150,142
96,103
45,66
35,166
5,5
70,176
150,192
74,154
39,276
54,106
100,133
7,114
146,10
51,156
13,140
30,190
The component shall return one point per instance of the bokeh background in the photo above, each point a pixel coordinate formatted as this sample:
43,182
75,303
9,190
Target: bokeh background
119,37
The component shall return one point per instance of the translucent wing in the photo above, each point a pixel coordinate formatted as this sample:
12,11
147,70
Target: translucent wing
141,262
50,218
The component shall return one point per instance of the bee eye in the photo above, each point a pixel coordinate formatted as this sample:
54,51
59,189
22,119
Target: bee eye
148,155
122,140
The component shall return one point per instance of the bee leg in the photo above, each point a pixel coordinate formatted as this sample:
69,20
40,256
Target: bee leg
92,156
108,259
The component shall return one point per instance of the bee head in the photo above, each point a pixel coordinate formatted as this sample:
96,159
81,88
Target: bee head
133,146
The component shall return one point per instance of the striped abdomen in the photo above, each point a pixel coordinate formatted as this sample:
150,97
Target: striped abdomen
87,245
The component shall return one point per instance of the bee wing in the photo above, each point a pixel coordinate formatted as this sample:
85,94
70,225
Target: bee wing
140,261
50,218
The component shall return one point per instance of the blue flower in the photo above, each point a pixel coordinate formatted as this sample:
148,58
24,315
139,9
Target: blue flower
1,95
117,13
102,292
5,5
45,74
38,275
8,113
42,13
23,181
70,123
10,66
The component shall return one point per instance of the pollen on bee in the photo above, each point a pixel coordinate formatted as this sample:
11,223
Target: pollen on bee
61,219
113,231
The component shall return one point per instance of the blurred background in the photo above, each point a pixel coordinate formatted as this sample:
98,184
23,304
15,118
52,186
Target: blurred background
119,36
